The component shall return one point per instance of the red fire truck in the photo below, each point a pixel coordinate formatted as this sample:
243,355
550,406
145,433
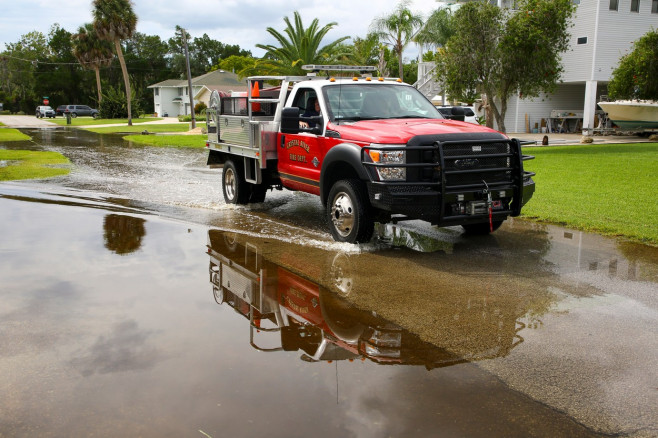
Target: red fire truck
373,149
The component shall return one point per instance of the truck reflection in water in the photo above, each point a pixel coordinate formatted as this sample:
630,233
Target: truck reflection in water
309,317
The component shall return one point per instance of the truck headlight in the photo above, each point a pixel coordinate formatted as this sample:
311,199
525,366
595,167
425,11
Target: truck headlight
383,156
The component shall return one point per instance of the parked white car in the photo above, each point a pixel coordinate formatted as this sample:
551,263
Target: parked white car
45,111
469,113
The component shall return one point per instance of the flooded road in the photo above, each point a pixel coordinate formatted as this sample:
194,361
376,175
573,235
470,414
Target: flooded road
133,302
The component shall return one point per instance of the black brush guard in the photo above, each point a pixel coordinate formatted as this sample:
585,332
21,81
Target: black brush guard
451,171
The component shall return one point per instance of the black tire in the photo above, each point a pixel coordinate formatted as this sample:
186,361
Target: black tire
235,188
74,115
481,228
348,212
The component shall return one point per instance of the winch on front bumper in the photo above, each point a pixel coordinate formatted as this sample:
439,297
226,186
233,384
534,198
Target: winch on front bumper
450,179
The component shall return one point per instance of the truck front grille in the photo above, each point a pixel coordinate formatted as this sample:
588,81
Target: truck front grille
472,163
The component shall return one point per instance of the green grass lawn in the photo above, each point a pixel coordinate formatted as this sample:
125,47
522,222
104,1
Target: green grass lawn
169,127
86,121
10,134
609,189
15,165
173,140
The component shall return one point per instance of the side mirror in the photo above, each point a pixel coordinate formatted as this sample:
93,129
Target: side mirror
290,120
457,113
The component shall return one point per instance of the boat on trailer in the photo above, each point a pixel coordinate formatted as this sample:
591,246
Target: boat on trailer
632,115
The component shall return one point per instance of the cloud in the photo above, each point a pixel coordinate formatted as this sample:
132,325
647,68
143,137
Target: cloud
241,22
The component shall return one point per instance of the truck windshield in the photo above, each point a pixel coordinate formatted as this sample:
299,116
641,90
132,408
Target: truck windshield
354,102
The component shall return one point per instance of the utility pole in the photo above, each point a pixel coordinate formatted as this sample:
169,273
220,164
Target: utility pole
189,78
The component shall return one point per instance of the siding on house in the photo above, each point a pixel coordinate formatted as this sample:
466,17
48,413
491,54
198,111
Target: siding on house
171,97
568,97
610,35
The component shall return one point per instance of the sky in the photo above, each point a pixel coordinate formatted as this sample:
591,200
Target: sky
241,22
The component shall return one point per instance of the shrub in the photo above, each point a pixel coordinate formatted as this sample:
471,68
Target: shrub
200,107
114,106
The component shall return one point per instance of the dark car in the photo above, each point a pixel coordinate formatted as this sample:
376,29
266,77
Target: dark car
80,110
60,110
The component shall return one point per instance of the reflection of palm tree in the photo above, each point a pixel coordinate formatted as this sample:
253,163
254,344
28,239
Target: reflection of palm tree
92,52
123,234
114,20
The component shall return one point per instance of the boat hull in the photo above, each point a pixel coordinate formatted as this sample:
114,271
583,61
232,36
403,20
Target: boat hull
631,115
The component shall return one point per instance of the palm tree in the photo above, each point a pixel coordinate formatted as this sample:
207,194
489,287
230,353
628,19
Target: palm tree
299,46
114,20
398,29
92,52
437,30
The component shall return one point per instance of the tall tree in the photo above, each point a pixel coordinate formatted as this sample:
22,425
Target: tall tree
363,51
398,29
115,20
437,30
498,54
92,52
236,64
147,56
19,70
636,75
299,46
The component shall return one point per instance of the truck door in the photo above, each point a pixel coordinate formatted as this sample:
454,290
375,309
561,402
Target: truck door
300,157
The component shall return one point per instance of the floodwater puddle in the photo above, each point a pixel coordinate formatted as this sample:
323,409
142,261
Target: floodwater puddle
135,303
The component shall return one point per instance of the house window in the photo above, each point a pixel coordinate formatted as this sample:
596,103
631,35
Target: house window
582,40
157,91
614,5
635,5
654,7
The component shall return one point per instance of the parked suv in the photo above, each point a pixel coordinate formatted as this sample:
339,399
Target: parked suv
45,111
60,110
80,110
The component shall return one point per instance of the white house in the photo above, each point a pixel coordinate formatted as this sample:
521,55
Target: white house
171,97
603,31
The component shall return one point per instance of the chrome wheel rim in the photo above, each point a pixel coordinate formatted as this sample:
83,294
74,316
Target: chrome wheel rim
229,183
342,214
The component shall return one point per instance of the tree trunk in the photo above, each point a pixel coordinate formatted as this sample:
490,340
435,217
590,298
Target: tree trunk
98,84
126,79
498,114
400,65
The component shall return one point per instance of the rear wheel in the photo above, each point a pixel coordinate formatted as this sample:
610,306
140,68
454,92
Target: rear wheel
348,212
482,228
235,188
74,115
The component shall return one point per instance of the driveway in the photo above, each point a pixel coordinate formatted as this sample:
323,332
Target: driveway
26,122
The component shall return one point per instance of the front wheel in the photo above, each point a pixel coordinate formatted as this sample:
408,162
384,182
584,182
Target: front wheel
235,188
482,228
348,212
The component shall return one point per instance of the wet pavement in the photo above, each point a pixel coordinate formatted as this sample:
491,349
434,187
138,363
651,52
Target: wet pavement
133,302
